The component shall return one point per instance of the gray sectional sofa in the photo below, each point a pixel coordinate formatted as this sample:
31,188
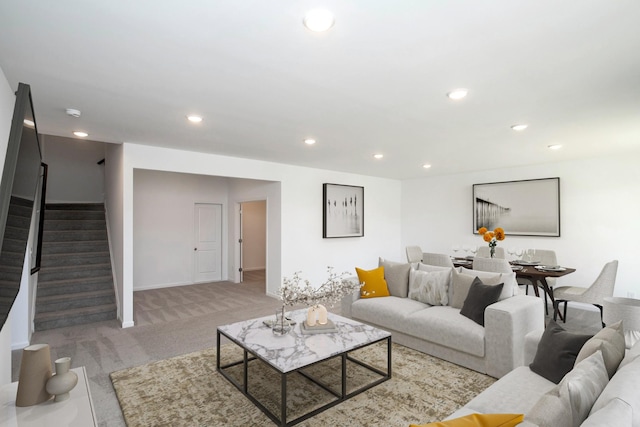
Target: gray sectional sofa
440,330
583,397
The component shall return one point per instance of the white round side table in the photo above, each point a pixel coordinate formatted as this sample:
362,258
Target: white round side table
627,310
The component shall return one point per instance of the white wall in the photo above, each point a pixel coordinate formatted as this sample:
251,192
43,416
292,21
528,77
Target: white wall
7,101
74,175
599,208
114,206
163,218
254,235
302,245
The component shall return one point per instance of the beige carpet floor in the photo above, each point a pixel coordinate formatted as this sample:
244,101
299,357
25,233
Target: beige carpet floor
188,391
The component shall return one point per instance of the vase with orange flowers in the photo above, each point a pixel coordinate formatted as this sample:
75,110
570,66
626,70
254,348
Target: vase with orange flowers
492,237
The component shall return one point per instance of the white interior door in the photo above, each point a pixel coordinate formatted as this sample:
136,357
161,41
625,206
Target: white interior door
208,242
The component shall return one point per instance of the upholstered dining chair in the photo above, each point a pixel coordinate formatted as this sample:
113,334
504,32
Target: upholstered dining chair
594,294
485,252
441,260
495,265
414,254
545,257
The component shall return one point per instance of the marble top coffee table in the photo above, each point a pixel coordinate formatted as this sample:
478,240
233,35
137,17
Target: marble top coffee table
290,354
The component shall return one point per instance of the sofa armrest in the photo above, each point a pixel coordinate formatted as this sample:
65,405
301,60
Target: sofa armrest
347,301
506,323
531,341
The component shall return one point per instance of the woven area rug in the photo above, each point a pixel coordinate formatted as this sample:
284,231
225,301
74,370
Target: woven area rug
188,391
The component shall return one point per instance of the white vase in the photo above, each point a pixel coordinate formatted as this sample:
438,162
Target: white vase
63,381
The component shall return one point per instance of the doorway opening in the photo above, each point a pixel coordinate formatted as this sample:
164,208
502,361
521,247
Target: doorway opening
253,242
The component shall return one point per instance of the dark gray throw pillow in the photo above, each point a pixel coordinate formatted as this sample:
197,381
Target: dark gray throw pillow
480,296
557,352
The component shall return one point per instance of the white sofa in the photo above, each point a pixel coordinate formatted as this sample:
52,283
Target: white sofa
440,330
521,390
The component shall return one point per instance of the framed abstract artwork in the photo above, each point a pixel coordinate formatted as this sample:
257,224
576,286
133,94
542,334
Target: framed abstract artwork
342,211
525,208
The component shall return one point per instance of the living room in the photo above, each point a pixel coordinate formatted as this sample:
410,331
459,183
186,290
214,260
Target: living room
599,201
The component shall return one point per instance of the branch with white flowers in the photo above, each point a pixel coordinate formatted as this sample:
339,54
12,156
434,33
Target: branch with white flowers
296,290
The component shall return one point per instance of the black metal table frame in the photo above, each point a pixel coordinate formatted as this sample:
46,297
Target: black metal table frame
340,397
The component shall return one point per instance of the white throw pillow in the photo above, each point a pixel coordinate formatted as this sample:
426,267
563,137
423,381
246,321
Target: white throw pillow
429,287
569,403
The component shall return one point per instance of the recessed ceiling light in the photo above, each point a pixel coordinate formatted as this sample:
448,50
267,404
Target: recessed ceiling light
73,112
457,93
318,20
194,119
519,127
309,141
378,156
426,166
554,146
81,134
29,123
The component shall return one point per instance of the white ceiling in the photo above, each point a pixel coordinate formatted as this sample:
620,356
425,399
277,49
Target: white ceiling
376,82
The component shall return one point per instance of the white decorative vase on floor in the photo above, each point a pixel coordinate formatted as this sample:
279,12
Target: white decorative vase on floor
63,381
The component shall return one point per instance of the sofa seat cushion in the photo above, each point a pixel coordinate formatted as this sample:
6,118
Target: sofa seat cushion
389,312
445,326
516,392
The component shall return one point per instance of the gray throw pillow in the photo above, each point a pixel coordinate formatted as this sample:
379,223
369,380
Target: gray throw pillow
480,296
397,276
557,352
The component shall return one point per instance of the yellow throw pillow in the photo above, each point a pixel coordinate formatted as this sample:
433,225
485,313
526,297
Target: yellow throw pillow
373,281
479,420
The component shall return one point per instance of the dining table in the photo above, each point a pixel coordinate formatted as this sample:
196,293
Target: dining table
537,274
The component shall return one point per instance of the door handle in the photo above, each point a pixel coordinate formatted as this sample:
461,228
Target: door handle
195,249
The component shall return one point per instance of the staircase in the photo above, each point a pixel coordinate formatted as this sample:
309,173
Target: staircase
12,254
75,283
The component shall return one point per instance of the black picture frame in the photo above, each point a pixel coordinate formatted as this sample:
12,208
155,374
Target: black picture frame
342,211
528,207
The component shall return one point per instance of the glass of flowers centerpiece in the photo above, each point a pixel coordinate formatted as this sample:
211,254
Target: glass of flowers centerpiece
492,237
296,290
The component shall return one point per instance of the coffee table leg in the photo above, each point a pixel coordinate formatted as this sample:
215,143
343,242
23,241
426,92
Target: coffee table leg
344,375
218,350
283,400
246,372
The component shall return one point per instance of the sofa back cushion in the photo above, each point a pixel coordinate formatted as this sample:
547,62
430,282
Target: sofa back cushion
510,287
623,385
397,276
616,413
461,283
